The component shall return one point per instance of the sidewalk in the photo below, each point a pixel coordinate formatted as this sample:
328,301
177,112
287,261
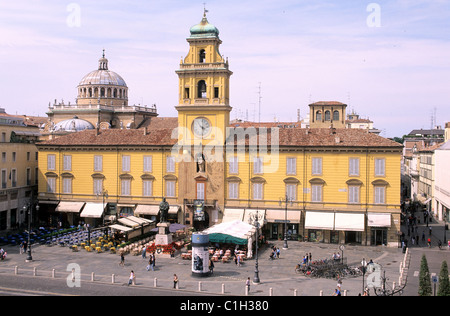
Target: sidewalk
277,276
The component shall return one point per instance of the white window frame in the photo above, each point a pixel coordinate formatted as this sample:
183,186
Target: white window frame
317,193
67,163
233,165
51,162
148,163
291,192
291,166
258,165
171,188
125,187
98,186
233,190
170,164
201,187
98,163
354,194
51,185
67,185
380,167
316,166
258,191
126,163
147,188
379,195
353,167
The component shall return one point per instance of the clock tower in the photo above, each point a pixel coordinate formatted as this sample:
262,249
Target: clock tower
204,88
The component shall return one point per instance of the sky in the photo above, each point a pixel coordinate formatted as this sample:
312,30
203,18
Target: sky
388,60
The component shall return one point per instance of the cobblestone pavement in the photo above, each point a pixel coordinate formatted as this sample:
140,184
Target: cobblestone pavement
276,275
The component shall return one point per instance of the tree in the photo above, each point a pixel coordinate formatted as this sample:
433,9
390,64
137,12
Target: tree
424,278
444,284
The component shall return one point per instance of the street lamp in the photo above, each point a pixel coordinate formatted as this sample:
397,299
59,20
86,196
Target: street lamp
28,208
364,268
286,199
255,218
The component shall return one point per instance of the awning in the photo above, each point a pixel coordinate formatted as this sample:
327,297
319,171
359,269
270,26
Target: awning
235,232
319,220
379,220
279,216
250,213
173,209
142,209
140,220
232,214
128,222
349,222
121,228
69,207
93,210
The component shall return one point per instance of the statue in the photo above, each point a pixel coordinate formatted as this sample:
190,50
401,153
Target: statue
201,163
163,211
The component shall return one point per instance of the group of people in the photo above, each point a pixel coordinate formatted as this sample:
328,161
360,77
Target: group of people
275,253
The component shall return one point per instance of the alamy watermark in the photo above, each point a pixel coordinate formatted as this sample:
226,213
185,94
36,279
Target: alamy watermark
374,18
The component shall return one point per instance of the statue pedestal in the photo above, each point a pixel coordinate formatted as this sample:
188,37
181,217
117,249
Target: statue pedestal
163,238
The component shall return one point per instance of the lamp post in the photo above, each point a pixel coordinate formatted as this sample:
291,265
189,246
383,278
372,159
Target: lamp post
286,199
256,279
28,208
364,267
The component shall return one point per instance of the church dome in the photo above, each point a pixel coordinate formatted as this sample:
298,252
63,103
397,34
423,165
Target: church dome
204,29
73,125
103,76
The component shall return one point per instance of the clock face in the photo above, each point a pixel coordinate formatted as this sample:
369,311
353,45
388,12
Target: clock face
201,127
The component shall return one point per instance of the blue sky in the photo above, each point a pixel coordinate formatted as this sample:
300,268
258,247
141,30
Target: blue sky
396,72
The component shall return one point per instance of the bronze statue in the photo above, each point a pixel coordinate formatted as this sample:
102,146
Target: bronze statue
163,211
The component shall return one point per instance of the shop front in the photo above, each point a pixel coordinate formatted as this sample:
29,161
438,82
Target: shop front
276,220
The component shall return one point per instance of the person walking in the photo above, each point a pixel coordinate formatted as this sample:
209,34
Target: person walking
247,285
122,260
132,278
175,281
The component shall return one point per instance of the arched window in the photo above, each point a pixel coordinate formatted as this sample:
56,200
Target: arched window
336,116
90,92
202,56
102,92
327,116
201,89
115,93
319,116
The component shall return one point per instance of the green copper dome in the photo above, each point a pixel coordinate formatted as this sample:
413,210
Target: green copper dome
204,29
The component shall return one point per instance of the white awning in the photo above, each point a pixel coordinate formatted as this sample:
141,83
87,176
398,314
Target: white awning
121,228
379,220
93,210
69,207
140,220
233,214
349,222
142,209
128,222
319,220
173,209
274,216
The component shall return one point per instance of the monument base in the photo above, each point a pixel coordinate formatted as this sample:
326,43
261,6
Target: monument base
163,237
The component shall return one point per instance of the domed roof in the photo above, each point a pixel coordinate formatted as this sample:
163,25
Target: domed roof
204,29
103,76
73,125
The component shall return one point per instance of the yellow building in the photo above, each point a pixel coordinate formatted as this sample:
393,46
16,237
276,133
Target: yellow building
18,168
326,183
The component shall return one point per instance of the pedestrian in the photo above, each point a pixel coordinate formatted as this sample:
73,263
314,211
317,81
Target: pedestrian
278,253
132,278
337,292
150,262
144,253
211,266
238,260
247,284
153,263
175,281
21,248
122,260
310,257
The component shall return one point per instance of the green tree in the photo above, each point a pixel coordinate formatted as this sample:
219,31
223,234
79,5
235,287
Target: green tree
424,278
444,284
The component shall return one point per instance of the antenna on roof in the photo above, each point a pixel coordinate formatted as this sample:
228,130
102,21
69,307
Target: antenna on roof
259,102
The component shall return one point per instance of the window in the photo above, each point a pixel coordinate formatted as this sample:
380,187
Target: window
327,116
51,185
67,163
202,56
126,163
147,163
291,166
291,192
353,167
98,163
3,137
170,189
170,167
353,194
233,165
186,93
51,162
36,176
258,189
14,155
316,193
14,178
258,165
3,157
318,116
28,156
98,186
380,195
200,190
380,165
201,89
216,92
67,185
317,166
4,178
125,187
336,116
147,188
233,190
28,176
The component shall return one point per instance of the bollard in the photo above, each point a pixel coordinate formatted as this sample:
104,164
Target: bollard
295,292
93,277
394,285
53,273
223,288
16,270
177,286
34,271
246,291
345,292
271,292
113,279
155,282
199,286
321,293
